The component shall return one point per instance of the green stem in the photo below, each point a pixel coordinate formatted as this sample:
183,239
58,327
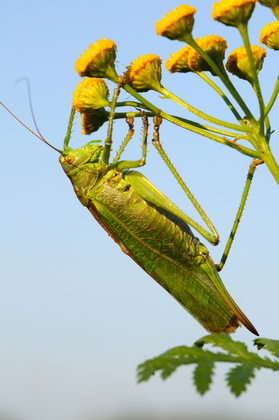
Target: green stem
269,160
174,120
195,111
131,103
250,138
222,94
272,98
275,10
137,114
243,129
243,136
223,76
222,140
256,85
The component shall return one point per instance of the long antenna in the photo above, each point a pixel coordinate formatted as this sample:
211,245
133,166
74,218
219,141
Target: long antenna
31,131
33,116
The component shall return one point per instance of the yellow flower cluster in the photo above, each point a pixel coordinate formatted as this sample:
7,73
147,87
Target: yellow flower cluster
98,60
188,59
214,46
269,35
177,24
233,12
145,73
92,121
239,65
91,93
178,61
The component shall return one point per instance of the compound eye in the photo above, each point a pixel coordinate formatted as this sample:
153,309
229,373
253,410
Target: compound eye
69,159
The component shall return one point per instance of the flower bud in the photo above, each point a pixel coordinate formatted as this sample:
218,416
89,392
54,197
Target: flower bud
177,24
269,35
98,60
215,47
91,93
239,65
145,73
233,12
178,62
92,121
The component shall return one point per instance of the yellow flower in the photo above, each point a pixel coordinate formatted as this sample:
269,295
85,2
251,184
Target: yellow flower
233,12
92,121
91,93
177,24
98,60
214,46
269,35
144,73
178,62
238,62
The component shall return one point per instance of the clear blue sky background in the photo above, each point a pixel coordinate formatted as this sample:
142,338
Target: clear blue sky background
76,314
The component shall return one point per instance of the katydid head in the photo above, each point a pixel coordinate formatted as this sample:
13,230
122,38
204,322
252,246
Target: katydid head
73,159
70,159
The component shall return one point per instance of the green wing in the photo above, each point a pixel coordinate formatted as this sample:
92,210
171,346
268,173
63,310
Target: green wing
149,229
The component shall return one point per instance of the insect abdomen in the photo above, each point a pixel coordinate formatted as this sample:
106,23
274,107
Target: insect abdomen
165,250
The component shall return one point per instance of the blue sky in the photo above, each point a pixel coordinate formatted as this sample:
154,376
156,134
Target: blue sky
77,315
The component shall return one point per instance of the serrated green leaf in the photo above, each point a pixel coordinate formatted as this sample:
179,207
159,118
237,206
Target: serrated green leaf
202,375
270,345
225,342
167,363
238,378
235,352
144,373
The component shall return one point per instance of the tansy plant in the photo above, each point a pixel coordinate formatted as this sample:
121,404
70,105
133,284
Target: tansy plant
200,56
206,58
146,225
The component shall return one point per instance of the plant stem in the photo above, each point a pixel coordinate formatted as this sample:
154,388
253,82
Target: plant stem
256,85
269,160
187,126
195,111
223,77
272,98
